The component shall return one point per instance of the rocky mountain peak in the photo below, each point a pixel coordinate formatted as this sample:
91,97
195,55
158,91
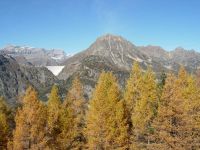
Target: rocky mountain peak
111,37
109,49
109,43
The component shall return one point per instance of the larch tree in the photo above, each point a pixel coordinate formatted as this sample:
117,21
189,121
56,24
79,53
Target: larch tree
73,117
53,116
106,119
173,125
191,96
4,124
67,127
192,93
133,88
30,123
145,109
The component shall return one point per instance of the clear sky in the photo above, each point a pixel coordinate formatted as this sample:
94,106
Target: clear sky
73,25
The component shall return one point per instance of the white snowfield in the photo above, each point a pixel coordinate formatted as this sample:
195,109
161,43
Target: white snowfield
55,69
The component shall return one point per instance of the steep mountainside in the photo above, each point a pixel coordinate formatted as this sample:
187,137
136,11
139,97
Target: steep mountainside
14,79
36,56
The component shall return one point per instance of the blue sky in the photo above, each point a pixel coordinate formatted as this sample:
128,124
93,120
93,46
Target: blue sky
73,25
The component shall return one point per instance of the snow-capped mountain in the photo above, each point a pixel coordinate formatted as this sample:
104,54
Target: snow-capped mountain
36,56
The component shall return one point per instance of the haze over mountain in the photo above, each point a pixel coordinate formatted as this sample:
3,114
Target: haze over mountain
21,66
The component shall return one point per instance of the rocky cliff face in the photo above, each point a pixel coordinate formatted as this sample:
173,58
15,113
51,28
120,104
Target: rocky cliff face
14,79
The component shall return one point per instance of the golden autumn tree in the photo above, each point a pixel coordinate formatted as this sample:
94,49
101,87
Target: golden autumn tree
141,98
173,125
30,123
67,128
191,96
133,88
131,96
145,109
106,119
73,117
53,116
4,124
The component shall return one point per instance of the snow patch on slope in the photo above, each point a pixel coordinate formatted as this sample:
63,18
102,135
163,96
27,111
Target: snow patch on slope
55,69
136,59
168,67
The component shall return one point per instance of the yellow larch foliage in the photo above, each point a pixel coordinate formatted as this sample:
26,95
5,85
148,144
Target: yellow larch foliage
30,123
173,125
53,114
106,119
73,117
4,124
145,109
133,87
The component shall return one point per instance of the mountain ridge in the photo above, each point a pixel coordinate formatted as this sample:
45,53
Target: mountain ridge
36,56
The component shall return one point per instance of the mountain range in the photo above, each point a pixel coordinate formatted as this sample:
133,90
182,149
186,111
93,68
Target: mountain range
20,66
120,53
35,56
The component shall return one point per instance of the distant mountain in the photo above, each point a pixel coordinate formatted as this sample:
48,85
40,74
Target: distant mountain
35,56
172,59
